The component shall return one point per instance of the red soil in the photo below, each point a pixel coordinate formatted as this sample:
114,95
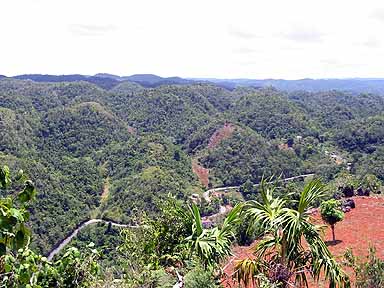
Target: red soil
361,227
201,172
220,134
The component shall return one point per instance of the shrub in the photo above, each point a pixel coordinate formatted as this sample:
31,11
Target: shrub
198,278
369,274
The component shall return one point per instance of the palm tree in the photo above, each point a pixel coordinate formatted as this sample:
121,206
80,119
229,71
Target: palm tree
291,247
212,245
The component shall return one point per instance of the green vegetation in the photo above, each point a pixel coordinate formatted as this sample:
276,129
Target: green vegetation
20,266
121,153
27,269
291,246
200,278
14,234
212,245
331,213
369,272
248,156
176,241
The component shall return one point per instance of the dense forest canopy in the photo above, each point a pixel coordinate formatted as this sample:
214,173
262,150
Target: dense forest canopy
110,151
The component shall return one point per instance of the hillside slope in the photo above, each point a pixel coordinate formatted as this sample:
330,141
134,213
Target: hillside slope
75,138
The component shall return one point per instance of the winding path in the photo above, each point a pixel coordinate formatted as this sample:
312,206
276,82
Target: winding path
206,196
207,193
68,239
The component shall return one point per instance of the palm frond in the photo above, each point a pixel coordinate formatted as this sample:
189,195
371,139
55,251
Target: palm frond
197,224
285,230
211,245
247,269
313,191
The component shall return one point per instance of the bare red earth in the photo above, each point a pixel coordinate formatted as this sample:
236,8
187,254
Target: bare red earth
201,172
220,134
361,227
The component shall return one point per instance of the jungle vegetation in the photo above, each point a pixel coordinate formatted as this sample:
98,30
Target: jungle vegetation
119,152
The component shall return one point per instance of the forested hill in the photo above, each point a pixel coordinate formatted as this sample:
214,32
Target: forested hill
107,81
112,148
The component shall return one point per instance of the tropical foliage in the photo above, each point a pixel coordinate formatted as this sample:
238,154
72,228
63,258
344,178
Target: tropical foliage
291,248
116,149
20,266
212,245
28,269
369,272
331,213
14,234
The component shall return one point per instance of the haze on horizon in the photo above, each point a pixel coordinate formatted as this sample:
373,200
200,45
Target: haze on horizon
221,39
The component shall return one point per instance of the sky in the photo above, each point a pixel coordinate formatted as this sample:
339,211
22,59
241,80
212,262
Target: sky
287,39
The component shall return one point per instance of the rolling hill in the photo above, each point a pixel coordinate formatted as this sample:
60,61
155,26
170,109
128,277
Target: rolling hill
76,138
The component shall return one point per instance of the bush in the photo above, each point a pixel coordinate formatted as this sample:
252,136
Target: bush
20,266
198,278
150,278
369,274
28,269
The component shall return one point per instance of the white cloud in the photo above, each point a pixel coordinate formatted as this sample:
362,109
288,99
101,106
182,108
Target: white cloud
303,34
91,30
244,38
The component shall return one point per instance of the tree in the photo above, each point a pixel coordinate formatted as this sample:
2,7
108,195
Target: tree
331,213
372,183
155,239
291,247
247,187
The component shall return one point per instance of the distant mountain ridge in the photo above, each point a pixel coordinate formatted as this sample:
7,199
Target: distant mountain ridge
357,85
108,81
105,80
147,80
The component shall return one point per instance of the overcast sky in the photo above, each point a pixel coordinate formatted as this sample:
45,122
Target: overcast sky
201,38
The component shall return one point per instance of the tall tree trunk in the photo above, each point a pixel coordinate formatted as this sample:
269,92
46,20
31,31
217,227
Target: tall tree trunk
333,233
283,249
